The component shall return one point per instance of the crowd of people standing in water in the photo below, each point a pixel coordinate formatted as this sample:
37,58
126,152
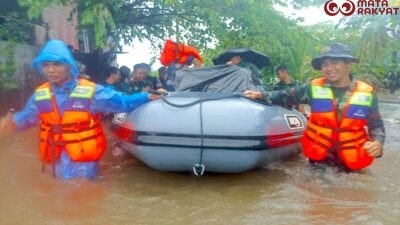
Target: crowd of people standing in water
345,128
140,79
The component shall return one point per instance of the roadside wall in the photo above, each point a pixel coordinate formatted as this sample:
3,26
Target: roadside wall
24,76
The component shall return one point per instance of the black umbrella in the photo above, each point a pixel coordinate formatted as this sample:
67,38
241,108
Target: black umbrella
247,54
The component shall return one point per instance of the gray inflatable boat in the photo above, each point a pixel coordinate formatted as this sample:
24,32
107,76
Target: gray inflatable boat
210,131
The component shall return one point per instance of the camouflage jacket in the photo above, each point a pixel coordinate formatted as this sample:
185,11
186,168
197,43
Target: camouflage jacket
283,86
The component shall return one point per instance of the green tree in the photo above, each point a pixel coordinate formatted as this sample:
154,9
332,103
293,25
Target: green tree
376,40
14,28
225,24
124,20
260,26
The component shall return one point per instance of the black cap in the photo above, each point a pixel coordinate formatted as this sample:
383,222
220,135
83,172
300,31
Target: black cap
279,68
336,50
162,69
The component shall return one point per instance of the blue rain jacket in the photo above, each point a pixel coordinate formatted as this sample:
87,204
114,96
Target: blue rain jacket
104,100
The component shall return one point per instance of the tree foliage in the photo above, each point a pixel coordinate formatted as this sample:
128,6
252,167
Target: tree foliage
262,27
14,28
125,20
376,40
214,26
8,66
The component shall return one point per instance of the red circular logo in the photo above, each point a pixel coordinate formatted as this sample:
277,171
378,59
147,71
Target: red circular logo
331,8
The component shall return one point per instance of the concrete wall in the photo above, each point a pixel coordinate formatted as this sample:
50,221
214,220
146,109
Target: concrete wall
24,76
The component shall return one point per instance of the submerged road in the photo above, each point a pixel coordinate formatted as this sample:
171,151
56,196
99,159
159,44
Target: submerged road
128,192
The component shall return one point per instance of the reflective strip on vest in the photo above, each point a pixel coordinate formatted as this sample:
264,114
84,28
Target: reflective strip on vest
43,100
82,92
348,136
359,105
319,92
42,94
76,131
321,99
361,98
79,99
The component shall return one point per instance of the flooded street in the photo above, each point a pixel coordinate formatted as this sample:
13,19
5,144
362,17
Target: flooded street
128,192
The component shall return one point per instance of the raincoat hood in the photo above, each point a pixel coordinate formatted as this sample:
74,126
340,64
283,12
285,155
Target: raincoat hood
56,51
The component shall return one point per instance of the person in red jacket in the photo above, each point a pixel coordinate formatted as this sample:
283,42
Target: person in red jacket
177,56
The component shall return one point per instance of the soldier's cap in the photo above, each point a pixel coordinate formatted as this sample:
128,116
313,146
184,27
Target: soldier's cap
280,67
336,51
162,70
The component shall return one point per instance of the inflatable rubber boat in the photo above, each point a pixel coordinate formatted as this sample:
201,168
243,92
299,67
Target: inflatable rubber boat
207,125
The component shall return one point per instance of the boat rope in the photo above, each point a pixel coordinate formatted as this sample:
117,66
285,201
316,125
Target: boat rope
199,168
198,101
236,95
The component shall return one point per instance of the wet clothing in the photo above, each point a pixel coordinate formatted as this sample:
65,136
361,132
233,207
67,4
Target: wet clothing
138,86
178,53
77,132
284,86
344,139
302,94
108,85
107,116
154,81
103,100
163,83
122,86
56,51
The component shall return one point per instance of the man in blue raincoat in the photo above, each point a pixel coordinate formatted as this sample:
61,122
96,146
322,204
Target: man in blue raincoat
67,109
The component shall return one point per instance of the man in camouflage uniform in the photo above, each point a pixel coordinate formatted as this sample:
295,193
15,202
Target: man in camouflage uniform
142,81
334,63
285,83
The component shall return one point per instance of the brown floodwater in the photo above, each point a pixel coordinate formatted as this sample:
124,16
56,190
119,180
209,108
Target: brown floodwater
128,192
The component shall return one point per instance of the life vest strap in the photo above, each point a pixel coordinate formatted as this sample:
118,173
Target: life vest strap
319,134
348,147
95,119
353,140
63,143
67,125
58,129
317,143
334,129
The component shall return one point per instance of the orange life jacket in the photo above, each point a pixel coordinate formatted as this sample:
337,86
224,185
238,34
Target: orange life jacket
76,131
325,134
177,53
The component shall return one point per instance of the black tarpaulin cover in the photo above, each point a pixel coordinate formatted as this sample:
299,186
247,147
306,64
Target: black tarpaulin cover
217,79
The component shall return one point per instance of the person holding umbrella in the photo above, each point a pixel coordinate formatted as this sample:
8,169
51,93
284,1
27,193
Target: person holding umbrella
345,128
246,58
